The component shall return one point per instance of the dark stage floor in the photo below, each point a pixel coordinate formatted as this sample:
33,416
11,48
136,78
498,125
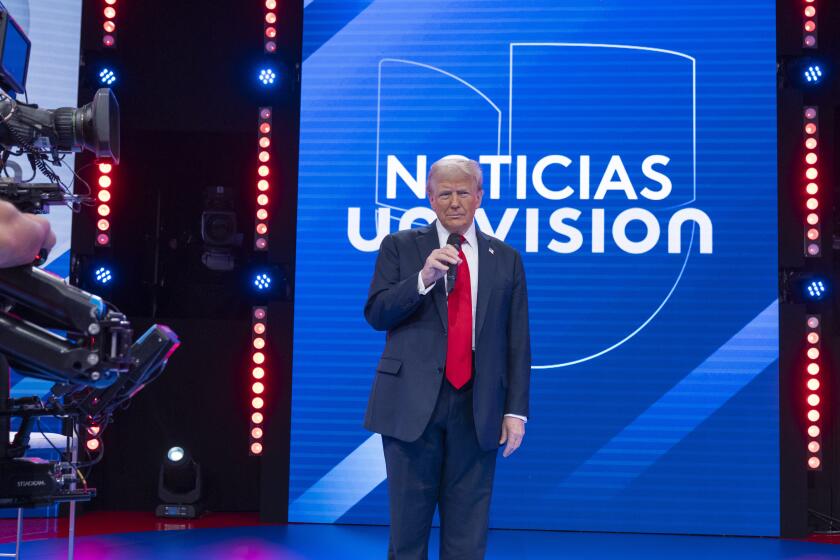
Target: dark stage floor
130,536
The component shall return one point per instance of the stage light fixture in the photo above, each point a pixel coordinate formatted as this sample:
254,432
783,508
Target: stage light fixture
813,74
102,275
104,196
257,382
262,281
179,485
107,76
267,76
175,454
269,26
109,25
264,116
816,289
812,386
813,242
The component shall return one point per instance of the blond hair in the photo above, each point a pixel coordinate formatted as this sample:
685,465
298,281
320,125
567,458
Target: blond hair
460,164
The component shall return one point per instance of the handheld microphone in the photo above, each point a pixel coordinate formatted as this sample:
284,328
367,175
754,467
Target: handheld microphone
452,273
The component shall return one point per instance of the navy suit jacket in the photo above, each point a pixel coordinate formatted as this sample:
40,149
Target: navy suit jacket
411,369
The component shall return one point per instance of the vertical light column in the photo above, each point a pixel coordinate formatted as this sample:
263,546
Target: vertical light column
809,24
104,184
270,26
109,25
813,391
813,221
264,180
259,334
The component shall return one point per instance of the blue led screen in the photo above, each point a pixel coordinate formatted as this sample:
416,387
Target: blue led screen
629,154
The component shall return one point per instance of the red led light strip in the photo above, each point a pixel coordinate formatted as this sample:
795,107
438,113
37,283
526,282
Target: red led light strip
810,144
103,203
264,179
93,444
259,335
270,26
809,24
109,25
813,391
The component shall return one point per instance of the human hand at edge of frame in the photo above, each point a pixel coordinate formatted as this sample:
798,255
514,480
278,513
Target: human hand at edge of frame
513,431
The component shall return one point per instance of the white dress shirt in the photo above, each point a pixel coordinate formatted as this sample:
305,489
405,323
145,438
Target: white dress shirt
470,249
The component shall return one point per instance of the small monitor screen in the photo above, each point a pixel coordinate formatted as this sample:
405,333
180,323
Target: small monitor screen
15,54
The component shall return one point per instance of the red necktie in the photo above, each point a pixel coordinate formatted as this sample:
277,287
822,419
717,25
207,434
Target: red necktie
459,341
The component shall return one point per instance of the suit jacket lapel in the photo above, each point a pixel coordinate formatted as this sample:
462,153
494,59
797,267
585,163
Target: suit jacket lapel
427,241
486,275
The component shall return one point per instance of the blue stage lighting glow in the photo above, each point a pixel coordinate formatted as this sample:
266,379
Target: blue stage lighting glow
262,281
813,74
267,76
107,76
102,275
816,289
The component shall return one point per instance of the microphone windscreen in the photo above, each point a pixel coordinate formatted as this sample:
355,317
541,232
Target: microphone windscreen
454,240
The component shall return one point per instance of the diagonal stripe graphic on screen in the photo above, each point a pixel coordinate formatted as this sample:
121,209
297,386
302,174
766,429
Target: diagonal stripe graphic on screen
344,486
679,411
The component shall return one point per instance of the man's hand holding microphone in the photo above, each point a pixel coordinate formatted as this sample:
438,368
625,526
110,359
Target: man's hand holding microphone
437,264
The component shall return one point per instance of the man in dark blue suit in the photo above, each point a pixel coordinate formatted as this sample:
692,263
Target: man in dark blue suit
453,381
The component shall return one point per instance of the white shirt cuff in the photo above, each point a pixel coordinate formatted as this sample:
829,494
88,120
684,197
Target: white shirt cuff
420,289
523,418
